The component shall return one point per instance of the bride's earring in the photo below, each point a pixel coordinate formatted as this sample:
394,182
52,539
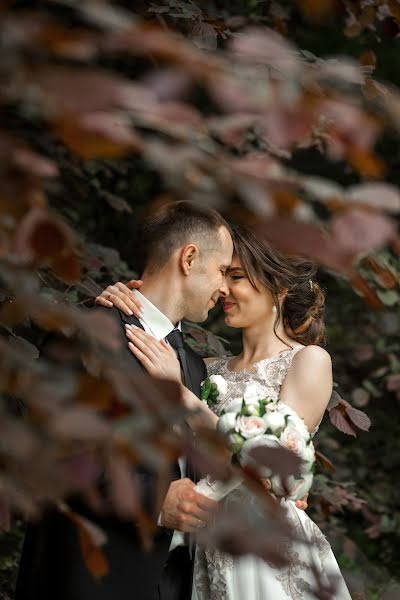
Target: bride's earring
274,309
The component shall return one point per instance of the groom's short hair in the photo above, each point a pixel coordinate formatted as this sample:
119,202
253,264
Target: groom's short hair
176,224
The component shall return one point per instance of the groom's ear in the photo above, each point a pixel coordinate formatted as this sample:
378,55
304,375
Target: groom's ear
189,255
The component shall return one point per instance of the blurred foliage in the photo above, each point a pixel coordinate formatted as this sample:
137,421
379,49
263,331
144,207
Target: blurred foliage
304,148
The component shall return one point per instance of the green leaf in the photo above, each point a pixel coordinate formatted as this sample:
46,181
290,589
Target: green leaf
388,297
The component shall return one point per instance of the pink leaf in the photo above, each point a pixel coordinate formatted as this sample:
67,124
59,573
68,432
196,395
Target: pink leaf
359,418
357,231
268,47
279,460
339,420
124,491
383,196
204,35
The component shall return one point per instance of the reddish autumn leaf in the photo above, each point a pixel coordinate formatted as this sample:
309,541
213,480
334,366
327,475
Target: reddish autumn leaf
366,163
357,231
233,95
279,460
67,268
317,11
124,489
339,418
71,92
204,35
83,470
91,539
94,392
366,291
73,43
283,128
169,83
98,135
264,45
231,130
178,112
78,423
368,59
386,276
17,153
349,130
359,418
324,462
384,196
42,235
164,45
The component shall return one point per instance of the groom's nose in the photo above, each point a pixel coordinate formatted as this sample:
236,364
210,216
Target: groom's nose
224,289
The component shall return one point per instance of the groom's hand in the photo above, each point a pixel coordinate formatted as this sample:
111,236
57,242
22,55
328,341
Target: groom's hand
184,509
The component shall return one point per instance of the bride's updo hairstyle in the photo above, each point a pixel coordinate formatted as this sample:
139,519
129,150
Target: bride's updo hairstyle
302,309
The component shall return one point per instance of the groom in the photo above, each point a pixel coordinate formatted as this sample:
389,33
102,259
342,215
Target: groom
188,251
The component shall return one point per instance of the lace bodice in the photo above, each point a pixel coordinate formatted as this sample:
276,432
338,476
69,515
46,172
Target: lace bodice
267,375
220,576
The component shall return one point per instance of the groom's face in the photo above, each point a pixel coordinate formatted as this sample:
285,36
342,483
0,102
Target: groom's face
208,281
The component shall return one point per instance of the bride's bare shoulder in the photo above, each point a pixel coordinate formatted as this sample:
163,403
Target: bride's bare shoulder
312,354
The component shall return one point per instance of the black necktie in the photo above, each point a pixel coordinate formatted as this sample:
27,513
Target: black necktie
175,339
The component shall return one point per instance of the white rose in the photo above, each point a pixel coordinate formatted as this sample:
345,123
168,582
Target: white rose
274,421
250,427
221,384
251,394
293,439
294,420
226,423
260,441
234,405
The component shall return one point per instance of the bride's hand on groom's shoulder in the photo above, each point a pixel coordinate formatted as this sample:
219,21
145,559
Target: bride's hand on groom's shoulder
121,296
157,357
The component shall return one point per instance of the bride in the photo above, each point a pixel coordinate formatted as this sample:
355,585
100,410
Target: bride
279,308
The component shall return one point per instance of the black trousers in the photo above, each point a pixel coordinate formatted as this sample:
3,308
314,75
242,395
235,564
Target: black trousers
177,576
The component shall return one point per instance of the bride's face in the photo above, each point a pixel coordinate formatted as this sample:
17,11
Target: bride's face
245,306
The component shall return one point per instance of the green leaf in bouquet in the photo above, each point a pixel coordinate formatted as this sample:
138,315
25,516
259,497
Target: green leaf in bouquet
205,389
261,407
250,410
236,442
214,392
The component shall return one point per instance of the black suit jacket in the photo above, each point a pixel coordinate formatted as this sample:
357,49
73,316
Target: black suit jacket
51,566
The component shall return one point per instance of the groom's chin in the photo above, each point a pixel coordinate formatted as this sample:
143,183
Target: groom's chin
198,317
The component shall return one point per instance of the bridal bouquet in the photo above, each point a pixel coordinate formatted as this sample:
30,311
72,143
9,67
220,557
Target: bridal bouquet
255,422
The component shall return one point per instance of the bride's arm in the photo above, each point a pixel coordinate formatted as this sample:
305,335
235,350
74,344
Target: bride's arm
159,360
307,387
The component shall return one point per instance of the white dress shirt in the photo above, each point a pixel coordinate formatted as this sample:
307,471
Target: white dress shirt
155,323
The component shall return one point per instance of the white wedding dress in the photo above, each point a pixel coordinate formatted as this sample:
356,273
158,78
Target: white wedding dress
219,576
